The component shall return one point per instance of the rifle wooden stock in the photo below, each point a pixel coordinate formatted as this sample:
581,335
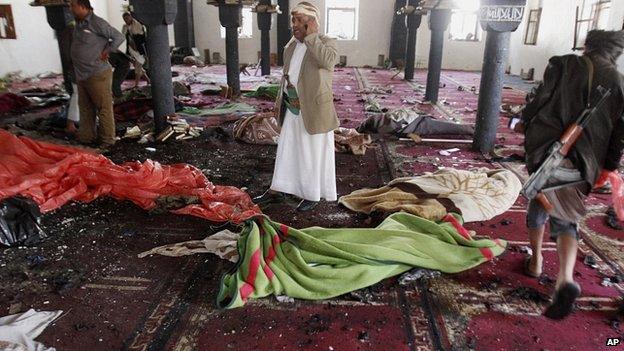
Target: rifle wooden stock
569,138
543,200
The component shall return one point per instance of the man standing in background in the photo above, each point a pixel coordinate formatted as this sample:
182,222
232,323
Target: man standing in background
305,163
92,43
134,32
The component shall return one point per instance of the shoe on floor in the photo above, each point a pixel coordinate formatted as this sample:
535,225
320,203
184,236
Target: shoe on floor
563,302
268,197
306,205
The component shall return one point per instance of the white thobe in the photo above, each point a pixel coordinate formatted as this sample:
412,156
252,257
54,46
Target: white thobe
305,163
73,113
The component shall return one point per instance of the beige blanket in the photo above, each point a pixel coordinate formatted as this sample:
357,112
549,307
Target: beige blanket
263,129
477,195
222,244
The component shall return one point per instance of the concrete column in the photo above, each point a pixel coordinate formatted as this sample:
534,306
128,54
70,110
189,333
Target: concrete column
230,18
498,18
283,30
264,24
438,23
160,74
491,90
156,15
413,22
398,33
184,26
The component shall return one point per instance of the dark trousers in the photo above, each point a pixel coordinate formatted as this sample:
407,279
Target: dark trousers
121,66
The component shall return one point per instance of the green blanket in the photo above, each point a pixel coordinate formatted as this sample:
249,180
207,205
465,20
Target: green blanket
225,109
264,92
318,263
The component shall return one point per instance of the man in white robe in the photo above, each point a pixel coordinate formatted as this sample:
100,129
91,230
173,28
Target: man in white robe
305,163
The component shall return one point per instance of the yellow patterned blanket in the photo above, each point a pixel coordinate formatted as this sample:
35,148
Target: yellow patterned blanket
478,195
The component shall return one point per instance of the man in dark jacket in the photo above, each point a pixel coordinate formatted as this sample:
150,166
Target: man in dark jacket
569,86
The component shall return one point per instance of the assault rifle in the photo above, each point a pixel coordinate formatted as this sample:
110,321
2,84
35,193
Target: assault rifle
559,150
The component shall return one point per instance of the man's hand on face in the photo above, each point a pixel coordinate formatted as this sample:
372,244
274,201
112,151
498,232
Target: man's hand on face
311,27
104,55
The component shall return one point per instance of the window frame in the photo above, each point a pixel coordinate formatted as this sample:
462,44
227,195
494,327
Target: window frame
533,41
356,20
477,29
11,32
597,6
596,10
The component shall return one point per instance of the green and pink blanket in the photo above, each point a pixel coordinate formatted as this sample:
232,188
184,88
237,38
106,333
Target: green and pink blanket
318,263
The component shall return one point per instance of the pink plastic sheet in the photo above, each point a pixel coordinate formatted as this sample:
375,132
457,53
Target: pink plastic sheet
617,190
53,175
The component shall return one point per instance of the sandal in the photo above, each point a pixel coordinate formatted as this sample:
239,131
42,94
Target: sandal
527,270
563,302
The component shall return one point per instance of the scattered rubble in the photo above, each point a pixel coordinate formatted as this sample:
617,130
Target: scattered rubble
612,219
417,274
590,261
285,299
530,294
506,222
448,152
546,280
178,129
527,250
491,284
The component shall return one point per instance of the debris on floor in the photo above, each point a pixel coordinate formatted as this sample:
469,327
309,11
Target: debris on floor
20,222
590,261
416,275
179,129
61,269
612,219
528,294
18,331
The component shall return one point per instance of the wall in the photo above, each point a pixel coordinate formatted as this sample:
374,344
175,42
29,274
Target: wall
617,21
208,34
554,37
372,39
375,20
35,50
459,55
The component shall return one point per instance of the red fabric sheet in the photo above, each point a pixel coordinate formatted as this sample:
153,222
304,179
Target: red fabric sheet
53,175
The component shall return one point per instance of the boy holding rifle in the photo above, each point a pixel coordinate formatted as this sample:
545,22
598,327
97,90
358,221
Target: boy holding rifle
574,129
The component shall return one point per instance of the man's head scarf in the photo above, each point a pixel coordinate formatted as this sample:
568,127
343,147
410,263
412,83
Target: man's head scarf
306,8
608,44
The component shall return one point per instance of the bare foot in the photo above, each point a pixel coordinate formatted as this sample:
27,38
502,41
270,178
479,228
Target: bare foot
533,266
